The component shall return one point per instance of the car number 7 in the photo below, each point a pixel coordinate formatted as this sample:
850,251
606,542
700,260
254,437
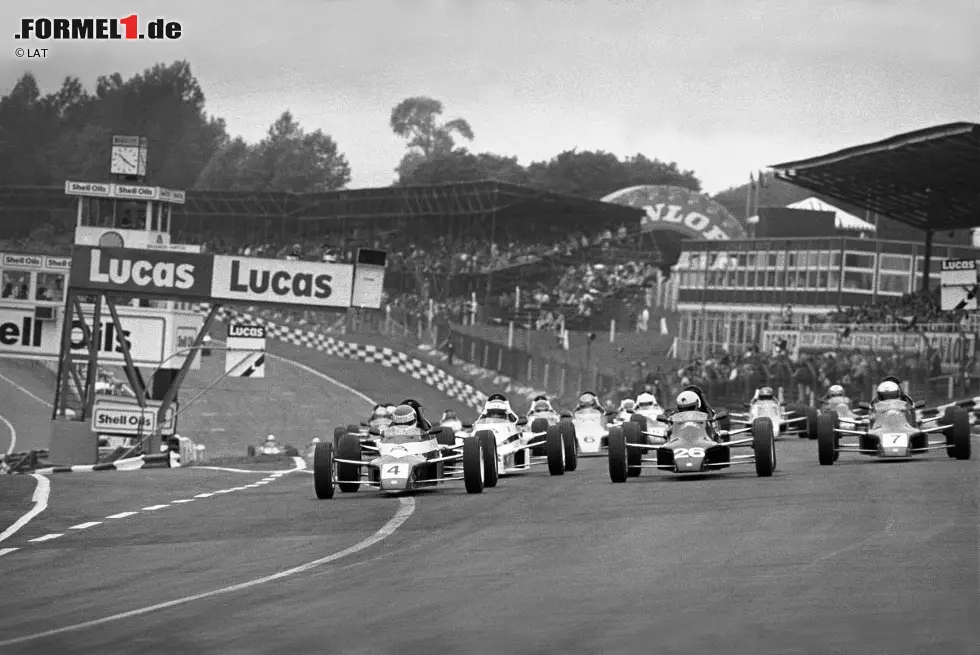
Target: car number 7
689,452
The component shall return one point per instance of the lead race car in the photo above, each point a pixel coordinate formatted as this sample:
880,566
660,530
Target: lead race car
892,429
694,443
786,420
405,457
513,445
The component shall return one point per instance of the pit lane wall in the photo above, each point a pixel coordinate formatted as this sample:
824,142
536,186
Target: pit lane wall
370,354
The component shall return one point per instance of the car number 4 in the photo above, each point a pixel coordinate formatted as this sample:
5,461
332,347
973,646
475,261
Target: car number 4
393,469
689,452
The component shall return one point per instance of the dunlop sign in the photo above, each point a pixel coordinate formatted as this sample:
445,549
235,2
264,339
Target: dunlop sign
145,272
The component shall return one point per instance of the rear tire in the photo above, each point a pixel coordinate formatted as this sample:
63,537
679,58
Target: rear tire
349,448
826,439
555,446
446,436
634,456
539,425
958,434
488,444
473,468
323,471
764,446
250,451
617,455
338,433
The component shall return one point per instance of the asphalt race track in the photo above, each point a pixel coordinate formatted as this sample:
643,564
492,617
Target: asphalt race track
863,556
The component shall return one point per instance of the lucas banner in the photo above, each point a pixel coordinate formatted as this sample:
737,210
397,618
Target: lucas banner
142,272
282,282
953,347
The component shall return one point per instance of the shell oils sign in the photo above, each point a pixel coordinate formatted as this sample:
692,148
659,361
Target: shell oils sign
24,337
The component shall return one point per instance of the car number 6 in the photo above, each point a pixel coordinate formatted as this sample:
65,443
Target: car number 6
689,452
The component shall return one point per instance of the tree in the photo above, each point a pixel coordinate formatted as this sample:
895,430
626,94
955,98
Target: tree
460,166
288,159
594,174
416,119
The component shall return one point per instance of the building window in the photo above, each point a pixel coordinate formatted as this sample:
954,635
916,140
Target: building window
859,260
858,280
50,287
892,284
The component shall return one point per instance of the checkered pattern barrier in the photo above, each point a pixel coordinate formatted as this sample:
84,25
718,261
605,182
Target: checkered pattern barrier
402,362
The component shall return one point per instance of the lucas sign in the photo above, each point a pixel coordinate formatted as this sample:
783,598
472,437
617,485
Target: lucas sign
314,284
692,214
145,272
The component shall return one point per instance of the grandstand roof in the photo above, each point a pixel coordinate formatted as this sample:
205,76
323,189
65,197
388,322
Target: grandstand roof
842,219
927,179
446,200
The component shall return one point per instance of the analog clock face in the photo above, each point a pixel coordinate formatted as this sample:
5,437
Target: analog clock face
125,161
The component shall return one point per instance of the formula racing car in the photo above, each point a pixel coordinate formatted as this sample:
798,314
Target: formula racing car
380,419
892,430
786,420
513,445
404,457
272,448
542,415
694,443
650,415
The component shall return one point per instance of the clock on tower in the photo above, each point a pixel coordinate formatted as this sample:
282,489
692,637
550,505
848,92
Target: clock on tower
128,156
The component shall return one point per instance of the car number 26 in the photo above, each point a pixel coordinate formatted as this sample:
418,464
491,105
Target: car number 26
689,452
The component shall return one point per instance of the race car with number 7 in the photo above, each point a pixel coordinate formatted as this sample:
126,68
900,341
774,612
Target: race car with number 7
695,443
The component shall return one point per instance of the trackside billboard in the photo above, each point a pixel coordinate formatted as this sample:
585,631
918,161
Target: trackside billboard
215,277
144,272
282,282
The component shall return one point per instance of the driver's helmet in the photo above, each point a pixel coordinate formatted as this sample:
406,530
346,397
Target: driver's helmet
404,415
448,415
645,400
588,399
380,412
888,390
628,405
541,406
688,401
496,408
835,391
271,439
765,393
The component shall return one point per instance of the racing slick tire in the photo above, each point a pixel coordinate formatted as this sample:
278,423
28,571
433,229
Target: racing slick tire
640,420
810,425
539,425
291,451
617,455
488,442
338,433
445,436
353,429
634,456
567,430
349,448
764,447
250,451
556,451
958,432
323,470
827,438
473,466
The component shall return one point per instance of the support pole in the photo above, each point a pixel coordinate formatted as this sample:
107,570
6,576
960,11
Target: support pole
64,356
93,357
168,397
130,369
927,262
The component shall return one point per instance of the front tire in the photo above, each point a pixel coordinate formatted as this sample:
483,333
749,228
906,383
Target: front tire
764,446
811,423
350,448
958,434
567,430
826,439
555,446
323,471
473,468
446,436
617,455
488,444
338,434
634,456
539,425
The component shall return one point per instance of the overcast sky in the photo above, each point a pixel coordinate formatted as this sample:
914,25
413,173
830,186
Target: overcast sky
719,86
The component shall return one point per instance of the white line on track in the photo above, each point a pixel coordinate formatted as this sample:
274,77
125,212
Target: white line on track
13,434
121,515
83,526
41,493
23,390
153,508
47,537
405,510
4,551
183,500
